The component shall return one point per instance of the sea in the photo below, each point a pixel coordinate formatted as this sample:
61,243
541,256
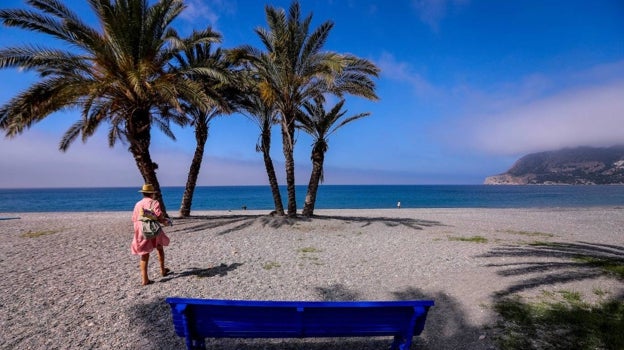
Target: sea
328,197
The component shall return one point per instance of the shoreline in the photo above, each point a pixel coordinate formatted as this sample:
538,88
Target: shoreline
70,280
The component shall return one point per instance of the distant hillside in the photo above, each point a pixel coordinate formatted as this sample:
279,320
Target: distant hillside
575,166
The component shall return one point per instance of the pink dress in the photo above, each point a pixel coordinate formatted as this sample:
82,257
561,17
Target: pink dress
140,245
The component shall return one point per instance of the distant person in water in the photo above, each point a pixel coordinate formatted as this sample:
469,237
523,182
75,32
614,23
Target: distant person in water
142,246
399,205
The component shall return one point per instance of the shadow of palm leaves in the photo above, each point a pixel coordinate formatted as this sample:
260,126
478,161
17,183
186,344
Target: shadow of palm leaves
557,263
415,224
337,292
221,270
231,223
447,326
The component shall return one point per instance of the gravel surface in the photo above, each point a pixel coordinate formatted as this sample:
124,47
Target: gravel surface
70,282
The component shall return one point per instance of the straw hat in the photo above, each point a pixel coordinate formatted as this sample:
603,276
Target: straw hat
148,188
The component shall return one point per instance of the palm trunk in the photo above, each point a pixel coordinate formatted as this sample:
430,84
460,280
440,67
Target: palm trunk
318,157
139,137
270,169
201,135
148,171
288,132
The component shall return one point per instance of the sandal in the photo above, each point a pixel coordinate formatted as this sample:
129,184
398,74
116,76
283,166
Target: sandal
166,272
148,282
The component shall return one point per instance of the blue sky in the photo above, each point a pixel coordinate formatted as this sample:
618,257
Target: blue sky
466,88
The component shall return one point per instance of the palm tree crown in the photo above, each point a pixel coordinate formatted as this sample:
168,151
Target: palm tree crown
119,73
320,124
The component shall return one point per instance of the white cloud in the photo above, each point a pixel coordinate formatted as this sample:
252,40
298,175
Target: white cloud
207,11
404,72
538,112
588,116
199,10
431,12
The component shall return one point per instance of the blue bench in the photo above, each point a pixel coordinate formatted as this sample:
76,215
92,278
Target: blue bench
197,319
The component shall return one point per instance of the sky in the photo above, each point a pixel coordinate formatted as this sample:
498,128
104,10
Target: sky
466,88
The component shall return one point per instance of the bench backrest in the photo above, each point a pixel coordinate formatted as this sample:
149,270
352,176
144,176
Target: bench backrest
203,318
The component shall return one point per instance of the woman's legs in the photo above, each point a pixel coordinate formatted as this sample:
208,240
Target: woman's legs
143,266
161,258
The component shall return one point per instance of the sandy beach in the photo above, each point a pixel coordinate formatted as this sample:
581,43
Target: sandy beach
70,282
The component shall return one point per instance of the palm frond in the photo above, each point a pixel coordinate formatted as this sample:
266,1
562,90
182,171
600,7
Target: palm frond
37,102
315,120
55,8
316,40
34,21
71,135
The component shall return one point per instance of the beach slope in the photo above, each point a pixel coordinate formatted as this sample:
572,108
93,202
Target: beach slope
69,280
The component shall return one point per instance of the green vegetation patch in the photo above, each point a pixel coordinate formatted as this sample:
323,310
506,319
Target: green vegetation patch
306,254
475,239
610,266
35,234
613,266
271,265
309,250
600,292
529,233
566,324
572,297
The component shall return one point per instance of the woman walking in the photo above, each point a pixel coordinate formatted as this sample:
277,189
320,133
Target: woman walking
144,246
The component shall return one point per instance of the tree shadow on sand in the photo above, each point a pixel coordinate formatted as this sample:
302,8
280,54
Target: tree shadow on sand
225,224
221,271
550,263
446,328
565,322
364,221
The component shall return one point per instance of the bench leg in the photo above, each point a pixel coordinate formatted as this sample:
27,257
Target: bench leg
195,344
401,343
396,343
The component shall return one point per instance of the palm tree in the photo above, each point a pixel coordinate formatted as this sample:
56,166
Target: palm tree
320,124
201,122
119,73
294,69
265,117
209,68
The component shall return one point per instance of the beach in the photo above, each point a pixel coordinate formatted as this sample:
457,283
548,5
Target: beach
70,281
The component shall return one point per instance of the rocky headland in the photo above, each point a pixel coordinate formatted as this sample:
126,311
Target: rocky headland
569,166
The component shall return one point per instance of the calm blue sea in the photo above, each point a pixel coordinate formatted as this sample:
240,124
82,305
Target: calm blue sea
329,197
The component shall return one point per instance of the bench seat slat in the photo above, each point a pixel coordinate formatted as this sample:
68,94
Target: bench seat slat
225,319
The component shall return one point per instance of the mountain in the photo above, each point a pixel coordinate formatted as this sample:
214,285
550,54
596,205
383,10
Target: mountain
573,166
